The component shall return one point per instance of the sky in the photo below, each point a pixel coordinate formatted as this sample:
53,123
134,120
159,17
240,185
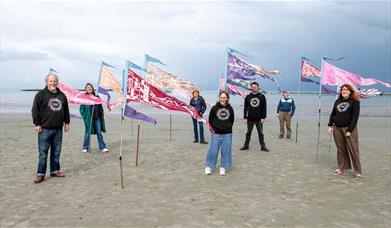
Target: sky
73,37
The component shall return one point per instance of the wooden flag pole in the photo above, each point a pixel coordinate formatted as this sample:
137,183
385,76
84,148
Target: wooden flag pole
120,152
138,143
170,125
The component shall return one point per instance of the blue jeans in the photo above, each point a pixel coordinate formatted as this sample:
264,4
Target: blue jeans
225,142
195,128
49,138
98,129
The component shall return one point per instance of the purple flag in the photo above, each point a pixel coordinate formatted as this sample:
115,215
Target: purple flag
133,114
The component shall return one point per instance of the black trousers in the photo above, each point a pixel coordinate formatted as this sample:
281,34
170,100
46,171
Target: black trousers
250,126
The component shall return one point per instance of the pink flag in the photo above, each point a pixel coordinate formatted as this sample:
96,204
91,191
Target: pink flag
222,83
307,70
332,75
234,90
76,97
141,91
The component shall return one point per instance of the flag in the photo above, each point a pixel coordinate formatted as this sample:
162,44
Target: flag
332,75
308,70
239,69
110,81
139,90
325,90
135,66
164,80
231,89
240,83
179,92
149,58
368,93
263,71
133,114
231,50
76,97
222,83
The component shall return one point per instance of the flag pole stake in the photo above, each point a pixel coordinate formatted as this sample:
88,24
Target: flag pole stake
120,152
138,143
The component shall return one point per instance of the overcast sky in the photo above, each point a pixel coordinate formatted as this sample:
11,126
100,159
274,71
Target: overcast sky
74,37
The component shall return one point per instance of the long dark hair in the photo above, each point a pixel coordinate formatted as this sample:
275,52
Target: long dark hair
353,92
93,89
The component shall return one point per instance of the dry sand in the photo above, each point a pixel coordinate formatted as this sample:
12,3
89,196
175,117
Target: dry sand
284,188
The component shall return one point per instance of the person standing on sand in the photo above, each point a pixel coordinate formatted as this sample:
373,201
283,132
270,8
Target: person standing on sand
94,121
343,126
285,111
255,114
50,114
199,104
221,118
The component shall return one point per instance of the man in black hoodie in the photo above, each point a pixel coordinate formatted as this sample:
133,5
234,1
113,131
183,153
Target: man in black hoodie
50,114
255,114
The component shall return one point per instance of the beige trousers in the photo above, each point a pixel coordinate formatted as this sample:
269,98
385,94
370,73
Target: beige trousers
285,120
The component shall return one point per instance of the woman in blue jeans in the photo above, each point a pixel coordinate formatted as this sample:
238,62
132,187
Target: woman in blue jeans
221,117
94,122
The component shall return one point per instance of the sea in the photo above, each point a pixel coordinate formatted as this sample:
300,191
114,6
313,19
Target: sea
307,104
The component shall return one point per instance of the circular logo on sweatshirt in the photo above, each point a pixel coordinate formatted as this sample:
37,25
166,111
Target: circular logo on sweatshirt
222,114
254,102
342,107
55,104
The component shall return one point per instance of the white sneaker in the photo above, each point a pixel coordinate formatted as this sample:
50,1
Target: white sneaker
85,150
208,170
105,150
222,171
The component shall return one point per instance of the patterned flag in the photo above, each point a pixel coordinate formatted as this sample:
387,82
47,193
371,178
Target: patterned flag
231,50
164,80
231,89
139,90
149,58
110,81
332,75
133,114
308,70
239,69
368,93
263,71
76,97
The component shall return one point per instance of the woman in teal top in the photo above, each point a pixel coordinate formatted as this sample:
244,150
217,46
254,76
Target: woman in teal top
94,122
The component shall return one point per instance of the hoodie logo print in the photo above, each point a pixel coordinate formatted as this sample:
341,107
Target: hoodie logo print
342,107
254,102
55,104
222,114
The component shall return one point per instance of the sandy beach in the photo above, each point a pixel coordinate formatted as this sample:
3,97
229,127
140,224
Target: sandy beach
286,187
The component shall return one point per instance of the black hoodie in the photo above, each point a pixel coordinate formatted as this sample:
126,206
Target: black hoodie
254,107
222,118
50,110
345,114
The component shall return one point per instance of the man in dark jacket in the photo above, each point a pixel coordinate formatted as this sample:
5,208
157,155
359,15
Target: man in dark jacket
50,114
285,111
254,114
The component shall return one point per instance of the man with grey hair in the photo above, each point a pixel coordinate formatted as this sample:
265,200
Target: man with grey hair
50,114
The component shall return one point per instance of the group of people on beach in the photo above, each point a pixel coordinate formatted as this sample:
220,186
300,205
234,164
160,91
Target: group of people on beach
51,117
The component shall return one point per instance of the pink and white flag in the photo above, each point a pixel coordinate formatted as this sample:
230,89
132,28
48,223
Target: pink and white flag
332,75
76,97
139,90
307,70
